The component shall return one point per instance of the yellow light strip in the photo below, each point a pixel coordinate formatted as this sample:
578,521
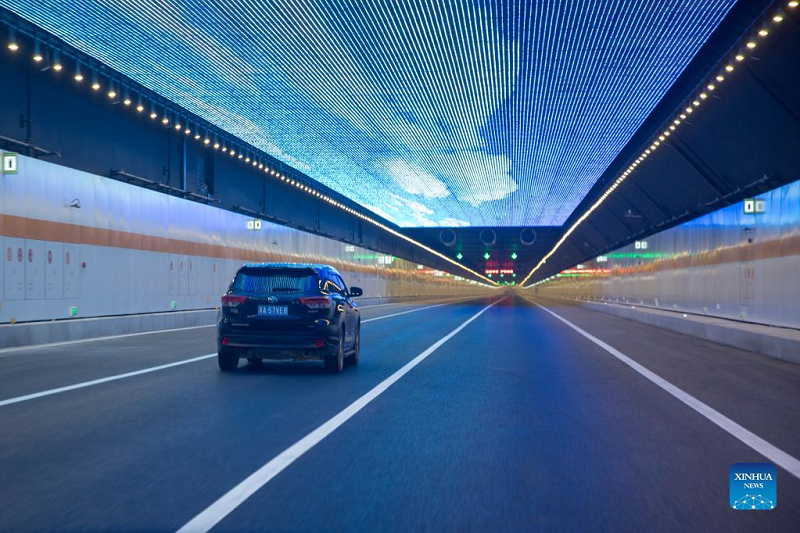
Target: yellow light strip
727,69
256,162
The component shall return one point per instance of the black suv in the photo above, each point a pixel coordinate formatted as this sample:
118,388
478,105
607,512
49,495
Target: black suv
292,311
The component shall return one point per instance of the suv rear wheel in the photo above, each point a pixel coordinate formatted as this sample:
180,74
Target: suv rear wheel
335,363
355,356
228,361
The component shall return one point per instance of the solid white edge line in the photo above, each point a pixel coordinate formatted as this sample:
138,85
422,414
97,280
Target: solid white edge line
94,339
225,505
125,335
84,384
774,454
67,388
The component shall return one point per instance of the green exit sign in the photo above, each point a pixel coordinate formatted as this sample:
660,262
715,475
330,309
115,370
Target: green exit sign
9,163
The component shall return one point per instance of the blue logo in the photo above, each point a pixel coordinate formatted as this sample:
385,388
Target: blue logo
754,487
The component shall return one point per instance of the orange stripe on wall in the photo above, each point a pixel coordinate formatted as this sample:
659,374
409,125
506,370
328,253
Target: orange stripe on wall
45,230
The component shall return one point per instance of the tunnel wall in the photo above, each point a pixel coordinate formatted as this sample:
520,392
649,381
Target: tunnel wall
130,250
727,264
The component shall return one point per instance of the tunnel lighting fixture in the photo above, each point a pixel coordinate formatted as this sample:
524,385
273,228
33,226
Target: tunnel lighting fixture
13,45
37,53
57,66
113,93
695,102
793,4
247,159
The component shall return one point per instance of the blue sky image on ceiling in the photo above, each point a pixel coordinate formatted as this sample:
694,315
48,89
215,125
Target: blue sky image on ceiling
429,113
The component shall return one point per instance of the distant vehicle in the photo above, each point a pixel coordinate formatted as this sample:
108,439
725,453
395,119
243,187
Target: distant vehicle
293,311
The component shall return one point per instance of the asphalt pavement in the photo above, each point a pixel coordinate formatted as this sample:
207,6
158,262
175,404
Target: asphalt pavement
474,415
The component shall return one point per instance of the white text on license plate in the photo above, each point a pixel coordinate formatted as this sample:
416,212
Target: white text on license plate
273,310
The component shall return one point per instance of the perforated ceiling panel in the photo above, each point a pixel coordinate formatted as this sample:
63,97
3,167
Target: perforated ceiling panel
428,113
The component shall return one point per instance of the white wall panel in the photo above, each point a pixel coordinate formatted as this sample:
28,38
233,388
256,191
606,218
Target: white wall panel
54,271
727,264
14,271
72,271
121,278
34,270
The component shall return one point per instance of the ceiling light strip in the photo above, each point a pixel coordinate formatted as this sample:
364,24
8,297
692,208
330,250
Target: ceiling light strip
724,70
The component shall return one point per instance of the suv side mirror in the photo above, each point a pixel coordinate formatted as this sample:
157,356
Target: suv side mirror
355,292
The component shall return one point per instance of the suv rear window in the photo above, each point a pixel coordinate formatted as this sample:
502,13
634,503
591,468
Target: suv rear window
263,282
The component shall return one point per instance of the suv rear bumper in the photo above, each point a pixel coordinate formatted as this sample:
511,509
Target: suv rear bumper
269,345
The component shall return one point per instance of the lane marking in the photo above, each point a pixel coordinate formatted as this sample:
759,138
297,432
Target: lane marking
448,299
774,454
401,313
109,337
99,381
187,328
221,508
84,384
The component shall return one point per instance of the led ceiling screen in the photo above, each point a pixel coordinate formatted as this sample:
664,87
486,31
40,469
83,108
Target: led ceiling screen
428,113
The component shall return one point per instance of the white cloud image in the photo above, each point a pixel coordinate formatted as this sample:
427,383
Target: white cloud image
414,179
453,223
478,177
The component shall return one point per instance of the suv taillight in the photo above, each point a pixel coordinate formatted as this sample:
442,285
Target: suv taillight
230,300
316,302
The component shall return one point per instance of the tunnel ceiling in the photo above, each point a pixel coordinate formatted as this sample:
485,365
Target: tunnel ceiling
475,113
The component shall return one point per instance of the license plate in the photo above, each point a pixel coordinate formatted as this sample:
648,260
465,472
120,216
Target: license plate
273,310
